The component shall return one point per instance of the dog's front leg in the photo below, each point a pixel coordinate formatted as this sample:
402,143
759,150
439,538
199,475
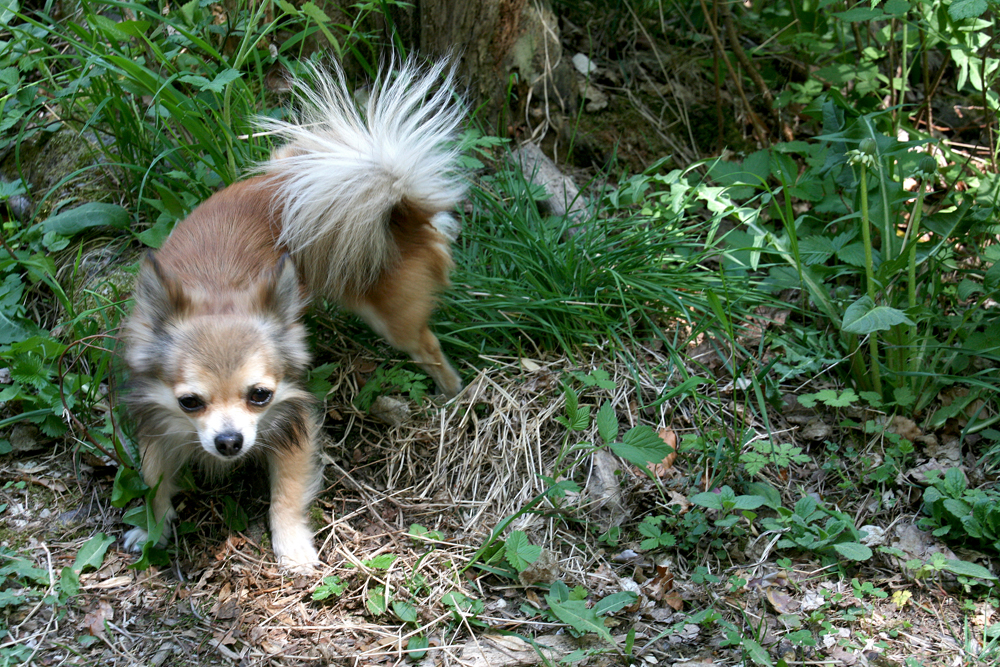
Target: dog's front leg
160,463
295,478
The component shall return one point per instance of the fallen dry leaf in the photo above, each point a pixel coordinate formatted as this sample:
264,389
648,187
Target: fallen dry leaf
665,467
93,622
782,602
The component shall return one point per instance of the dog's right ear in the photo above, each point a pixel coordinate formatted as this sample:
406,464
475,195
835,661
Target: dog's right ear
157,294
281,292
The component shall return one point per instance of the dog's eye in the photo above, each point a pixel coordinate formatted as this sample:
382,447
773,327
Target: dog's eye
260,396
190,403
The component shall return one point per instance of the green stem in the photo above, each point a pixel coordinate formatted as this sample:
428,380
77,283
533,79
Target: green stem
912,236
866,236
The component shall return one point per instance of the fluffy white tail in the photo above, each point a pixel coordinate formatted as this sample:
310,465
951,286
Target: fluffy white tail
345,167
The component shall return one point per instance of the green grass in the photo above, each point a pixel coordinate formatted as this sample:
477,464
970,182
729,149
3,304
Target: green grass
625,274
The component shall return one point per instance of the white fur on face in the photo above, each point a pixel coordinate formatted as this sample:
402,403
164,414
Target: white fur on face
226,405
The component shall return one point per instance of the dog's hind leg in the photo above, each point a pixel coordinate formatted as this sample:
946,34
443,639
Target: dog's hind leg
402,321
295,478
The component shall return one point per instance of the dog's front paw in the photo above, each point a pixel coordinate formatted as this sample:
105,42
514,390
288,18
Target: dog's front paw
296,553
135,539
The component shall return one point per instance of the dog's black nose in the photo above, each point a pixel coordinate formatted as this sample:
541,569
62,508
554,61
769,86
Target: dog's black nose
229,443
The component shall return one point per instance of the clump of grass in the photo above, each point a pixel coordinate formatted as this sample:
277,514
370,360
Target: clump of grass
637,269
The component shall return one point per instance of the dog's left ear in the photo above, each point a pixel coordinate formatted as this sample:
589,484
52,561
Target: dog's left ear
281,292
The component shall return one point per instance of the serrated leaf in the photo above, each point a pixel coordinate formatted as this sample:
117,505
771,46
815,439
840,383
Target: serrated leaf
520,552
967,9
607,423
853,551
863,317
641,446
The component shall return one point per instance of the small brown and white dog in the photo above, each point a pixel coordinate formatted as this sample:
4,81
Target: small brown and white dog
354,207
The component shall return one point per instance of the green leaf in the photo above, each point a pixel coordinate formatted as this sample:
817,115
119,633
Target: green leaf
234,516
158,233
69,582
756,652
860,14
967,569
520,552
853,551
91,554
967,9
708,499
406,612
748,502
414,646
863,317
86,216
607,423
381,562
128,485
575,614
331,586
642,446
216,85
377,602
615,602
8,9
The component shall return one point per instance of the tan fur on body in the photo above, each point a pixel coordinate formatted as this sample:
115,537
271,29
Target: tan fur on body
354,210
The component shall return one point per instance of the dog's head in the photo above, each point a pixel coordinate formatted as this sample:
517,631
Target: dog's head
218,370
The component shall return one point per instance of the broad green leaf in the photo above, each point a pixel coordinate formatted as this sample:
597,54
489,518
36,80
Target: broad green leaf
91,554
614,602
69,582
86,216
756,652
967,569
8,9
642,446
414,646
216,85
863,317
376,602
967,9
853,551
381,562
860,14
406,612
520,552
128,485
575,614
748,502
712,501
